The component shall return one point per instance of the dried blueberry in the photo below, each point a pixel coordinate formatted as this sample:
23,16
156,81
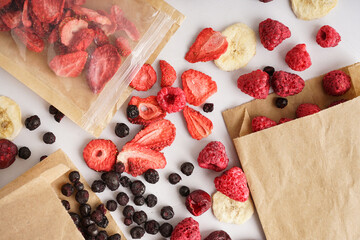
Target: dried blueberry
111,205
32,122
52,110
137,232
98,186
174,178
92,230
139,200
67,189
24,153
151,200
116,236
119,167
208,107
101,207
43,157
184,191
74,176
86,221
102,235
268,69
121,130
281,102
167,212
218,235
104,222
58,116
111,180
151,176
122,198
128,221
66,204
125,181
137,188
166,230
152,227
128,211
85,210
97,216
187,168
79,186
82,196
75,217
140,217
49,138
132,111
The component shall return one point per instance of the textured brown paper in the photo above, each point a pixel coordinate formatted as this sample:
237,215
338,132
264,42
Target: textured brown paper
303,175
72,96
31,207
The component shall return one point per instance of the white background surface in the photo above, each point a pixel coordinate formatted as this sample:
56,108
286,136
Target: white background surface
200,14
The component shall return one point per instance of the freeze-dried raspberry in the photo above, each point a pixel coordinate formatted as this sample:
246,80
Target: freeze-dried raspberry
327,37
284,120
337,102
213,157
272,33
261,122
255,84
306,109
298,58
171,99
287,84
336,83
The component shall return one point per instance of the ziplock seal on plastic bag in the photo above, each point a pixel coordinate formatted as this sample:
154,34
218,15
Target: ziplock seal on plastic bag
79,55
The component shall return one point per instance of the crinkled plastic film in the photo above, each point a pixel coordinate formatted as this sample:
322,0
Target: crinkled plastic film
155,21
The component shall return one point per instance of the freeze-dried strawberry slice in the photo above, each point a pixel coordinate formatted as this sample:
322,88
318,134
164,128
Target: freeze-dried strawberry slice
198,125
39,28
149,110
91,15
111,28
54,35
47,10
100,37
104,63
25,14
68,27
168,74
144,79
157,135
71,3
69,65
138,159
100,154
3,27
29,39
209,45
125,24
82,40
4,3
123,46
11,18
197,87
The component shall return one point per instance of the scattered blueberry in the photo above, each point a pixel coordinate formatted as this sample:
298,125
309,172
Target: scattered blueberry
66,204
119,167
187,168
281,102
102,235
111,205
32,122
184,191
128,211
59,116
24,153
166,230
98,186
116,236
53,110
268,69
140,217
121,130
82,196
74,176
79,186
86,221
137,188
208,107
151,200
75,217
92,230
125,181
128,221
151,176
167,212
137,232
67,189
174,178
132,111
152,227
43,157
85,210
122,198
111,180
139,200
49,138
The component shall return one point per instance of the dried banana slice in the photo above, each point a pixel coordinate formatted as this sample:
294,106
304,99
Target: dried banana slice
10,118
312,9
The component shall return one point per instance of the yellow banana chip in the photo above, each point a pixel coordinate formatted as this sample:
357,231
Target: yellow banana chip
312,9
10,118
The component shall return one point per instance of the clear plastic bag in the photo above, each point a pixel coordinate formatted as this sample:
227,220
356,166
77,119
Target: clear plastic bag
76,54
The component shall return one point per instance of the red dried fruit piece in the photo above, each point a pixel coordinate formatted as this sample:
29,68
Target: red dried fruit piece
287,84
336,83
198,202
171,99
168,74
138,159
209,45
149,110
100,155
284,120
213,157
272,33
221,235
71,3
54,35
298,58
41,29
123,46
3,27
256,84
100,38
91,15
108,29
337,102
197,86
4,3
60,49
69,65
68,27
47,10
187,229
306,109
198,125
233,184
261,122
157,135
125,24
104,63
82,40
8,152
264,1
144,79
29,39
327,37
11,18
25,18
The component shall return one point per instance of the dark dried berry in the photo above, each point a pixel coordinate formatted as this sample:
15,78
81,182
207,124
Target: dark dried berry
59,116
111,180
75,217
116,236
128,211
128,221
167,212
208,107
121,130
151,176
24,153
32,122
137,232
85,210
101,207
152,227
43,157
151,200
281,102
102,235
187,168
86,221
122,198
174,178
140,217
49,138
119,167
92,230
97,216
269,70
67,189
184,191
82,196
166,229
198,202
218,235
74,176
111,205
98,186
137,188
66,204
53,110
79,186
125,181
104,222
139,200
132,111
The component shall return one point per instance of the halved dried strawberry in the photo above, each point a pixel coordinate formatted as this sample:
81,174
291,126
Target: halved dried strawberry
82,40
125,24
104,63
100,37
47,10
138,159
39,28
198,125
100,154
11,18
29,39
144,79
157,135
111,28
25,14
149,110
197,86
69,65
168,74
4,3
68,27
123,46
54,35
3,27
91,15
